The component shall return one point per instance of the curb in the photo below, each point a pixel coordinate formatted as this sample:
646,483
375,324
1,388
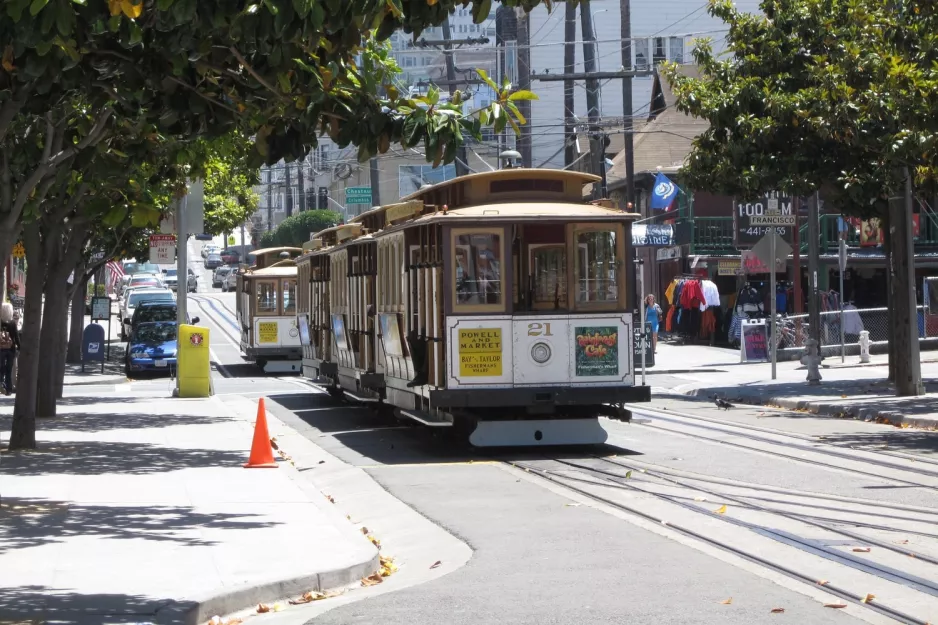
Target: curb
198,609
840,411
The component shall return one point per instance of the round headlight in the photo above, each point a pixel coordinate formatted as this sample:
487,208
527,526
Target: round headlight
540,352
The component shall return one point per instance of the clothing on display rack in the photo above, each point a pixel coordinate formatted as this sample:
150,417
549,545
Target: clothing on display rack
695,307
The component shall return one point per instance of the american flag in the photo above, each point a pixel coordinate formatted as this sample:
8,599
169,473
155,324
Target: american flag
114,274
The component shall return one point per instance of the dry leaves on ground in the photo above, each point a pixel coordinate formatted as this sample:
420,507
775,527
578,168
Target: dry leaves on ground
387,566
273,443
868,598
217,620
330,498
861,549
777,610
364,530
835,605
720,510
727,601
822,582
374,541
372,580
309,597
436,564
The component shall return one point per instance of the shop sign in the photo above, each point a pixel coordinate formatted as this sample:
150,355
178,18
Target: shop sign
751,263
267,332
480,352
649,235
731,267
669,253
752,221
597,351
754,345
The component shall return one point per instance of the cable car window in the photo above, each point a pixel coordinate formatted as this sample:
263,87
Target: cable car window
596,267
289,297
478,268
549,266
266,299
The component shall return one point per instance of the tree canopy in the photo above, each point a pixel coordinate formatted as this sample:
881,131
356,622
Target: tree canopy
295,230
837,95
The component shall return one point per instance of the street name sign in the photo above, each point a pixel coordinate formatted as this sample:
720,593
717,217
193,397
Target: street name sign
772,220
358,195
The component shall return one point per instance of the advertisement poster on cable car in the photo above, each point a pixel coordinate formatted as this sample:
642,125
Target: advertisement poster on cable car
597,351
391,334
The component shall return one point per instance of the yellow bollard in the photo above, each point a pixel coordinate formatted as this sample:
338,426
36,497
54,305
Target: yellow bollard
193,365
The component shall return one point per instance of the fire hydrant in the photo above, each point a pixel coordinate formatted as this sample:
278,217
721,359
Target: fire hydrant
812,361
865,346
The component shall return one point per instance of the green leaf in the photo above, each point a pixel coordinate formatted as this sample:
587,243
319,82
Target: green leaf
485,78
523,94
483,9
65,20
36,6
628,474
514,109
164,5
284,81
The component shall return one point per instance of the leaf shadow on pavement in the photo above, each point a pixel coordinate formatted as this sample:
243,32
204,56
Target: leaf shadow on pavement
85,457
41,604
32,522
385,440
97,422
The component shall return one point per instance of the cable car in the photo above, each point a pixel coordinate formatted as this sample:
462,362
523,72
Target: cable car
499,304
266,309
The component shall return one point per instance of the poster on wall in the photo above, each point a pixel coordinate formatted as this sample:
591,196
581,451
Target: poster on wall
597,351
480,352
754,342
338,329
872,232
391,334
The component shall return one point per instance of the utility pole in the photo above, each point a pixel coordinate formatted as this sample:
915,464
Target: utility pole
814,252
288,191
270,203
569,65
597,155
375,183
301,183
625,11
524,82
461,158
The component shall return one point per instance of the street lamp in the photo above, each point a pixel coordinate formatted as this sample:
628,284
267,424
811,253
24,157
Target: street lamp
509,158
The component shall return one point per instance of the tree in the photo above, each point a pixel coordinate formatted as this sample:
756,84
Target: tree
294,231
824,95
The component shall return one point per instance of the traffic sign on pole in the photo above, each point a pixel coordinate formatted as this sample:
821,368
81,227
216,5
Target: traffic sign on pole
358,195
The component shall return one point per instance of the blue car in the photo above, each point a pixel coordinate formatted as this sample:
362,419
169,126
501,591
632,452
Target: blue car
152,348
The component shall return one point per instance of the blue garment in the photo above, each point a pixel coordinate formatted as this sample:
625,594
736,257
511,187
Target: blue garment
651,317
781,301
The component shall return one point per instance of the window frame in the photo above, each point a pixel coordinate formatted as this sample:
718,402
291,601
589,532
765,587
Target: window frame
573,252
282,300
503,273
275,283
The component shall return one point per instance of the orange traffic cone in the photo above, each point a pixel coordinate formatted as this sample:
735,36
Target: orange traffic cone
262,456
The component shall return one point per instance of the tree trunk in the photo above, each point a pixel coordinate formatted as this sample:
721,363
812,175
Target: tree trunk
54,317
77,325
23,434
890,299
902,266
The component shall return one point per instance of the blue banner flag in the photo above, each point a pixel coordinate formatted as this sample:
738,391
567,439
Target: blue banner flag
664,192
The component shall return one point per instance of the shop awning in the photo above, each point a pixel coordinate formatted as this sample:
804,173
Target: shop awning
652,235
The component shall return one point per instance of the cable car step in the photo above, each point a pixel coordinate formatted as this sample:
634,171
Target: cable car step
362,398
426,418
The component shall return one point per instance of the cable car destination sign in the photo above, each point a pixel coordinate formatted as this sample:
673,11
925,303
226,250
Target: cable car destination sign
753,220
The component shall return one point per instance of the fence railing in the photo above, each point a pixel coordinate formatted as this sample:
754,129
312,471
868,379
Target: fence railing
873,320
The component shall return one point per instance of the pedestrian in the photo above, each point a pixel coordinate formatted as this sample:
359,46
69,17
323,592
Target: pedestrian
652,317
9,346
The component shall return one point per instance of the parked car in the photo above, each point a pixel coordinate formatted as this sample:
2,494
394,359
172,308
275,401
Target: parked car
135,299
192,282
148,312
230,281
213,260
230,256
152,348
141,279
209,249
218,277
170,279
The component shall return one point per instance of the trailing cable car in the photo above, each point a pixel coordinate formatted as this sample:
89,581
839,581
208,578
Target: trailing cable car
497,303
266,310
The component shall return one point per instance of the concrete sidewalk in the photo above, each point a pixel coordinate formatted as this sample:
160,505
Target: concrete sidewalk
850,389
136,509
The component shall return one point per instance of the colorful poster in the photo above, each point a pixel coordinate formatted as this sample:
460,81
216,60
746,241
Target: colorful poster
755,341
480,352
267,332
338,328
597,351
872,232
391,334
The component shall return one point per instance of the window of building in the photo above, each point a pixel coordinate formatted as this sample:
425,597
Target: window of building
478,269
289,297
412,177
641,53
266,298
549,266
676,51
597,267
660,52
408,61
